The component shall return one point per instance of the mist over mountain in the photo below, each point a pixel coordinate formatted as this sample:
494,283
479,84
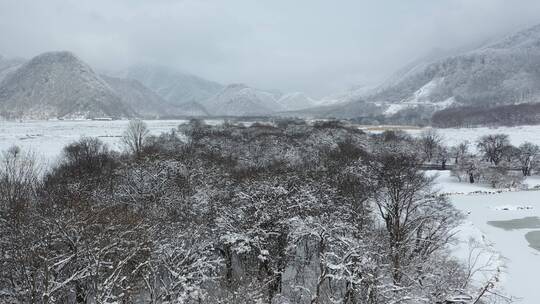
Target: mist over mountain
233,100
172,85
148,104
506,72
8,65
60,85
296,101
143,101
242,100
503,73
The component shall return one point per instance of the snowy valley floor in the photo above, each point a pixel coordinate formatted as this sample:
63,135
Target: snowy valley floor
503,227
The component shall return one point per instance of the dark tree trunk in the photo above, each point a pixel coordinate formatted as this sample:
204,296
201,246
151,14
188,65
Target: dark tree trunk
80,297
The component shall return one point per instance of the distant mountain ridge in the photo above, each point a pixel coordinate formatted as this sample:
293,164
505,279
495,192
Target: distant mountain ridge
242,100
296,101
173,86
145,102
60,85
506,72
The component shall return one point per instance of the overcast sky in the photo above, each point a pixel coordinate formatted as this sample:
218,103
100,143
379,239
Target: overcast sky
320,47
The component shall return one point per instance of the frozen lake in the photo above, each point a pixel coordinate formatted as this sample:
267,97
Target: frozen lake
513,234
507,228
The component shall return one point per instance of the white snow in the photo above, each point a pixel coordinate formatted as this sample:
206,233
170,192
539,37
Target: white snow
424,93
518,135
506,251
396,107
512,207
47,138
446,103
422,97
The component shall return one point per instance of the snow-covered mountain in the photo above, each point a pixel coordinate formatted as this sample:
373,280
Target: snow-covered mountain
506,72
145,102
58,85
241,100
173,86
296,101
502,73
353,94
148,104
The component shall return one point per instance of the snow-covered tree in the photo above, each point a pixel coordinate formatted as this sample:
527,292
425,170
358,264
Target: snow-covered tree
528,158
430,141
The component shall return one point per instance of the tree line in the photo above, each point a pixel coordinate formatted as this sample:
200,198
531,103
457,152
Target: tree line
491,159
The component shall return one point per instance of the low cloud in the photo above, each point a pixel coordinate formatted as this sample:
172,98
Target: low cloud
320,47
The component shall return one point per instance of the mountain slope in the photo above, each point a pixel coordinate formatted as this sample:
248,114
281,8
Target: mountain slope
9,65
58,85
504,73
142,100
241,100
341,110
190,109
296,101
173,86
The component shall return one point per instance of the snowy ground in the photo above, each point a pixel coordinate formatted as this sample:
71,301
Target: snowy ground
452,137
518,135
47,138
505,226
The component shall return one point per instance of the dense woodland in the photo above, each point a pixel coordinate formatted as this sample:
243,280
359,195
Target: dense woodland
287,212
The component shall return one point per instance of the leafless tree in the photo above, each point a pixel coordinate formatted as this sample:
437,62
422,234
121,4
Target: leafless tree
493,147
430,140
528,157
442,155
134,138
459,151
410,211
19,176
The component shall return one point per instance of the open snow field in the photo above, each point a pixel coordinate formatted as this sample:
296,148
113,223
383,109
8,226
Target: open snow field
518,135
453,136
505,228
47,138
